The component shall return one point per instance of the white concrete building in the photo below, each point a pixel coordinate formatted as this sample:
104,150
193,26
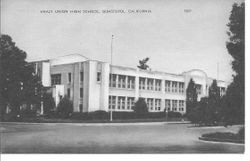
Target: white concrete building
94,85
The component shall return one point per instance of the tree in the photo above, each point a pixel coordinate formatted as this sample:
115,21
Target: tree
235,95
65,107
214,101
18,82
140,106
191,96
143,64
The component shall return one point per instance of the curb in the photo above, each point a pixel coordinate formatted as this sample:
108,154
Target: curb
100,124
222,140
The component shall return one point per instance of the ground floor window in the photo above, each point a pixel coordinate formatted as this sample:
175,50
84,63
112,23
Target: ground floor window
174,105
80,108
130,103
157,104
150,103
168,104
112,102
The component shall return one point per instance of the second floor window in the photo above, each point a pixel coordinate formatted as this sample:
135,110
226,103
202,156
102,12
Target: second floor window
69,77
81,92
142,83
158,85
98,79
55,79
81,76
198,88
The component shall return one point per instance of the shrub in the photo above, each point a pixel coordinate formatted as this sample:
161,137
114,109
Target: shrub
172,114
79,116
65,108
48,103
98,115
140,106
241,133
27,112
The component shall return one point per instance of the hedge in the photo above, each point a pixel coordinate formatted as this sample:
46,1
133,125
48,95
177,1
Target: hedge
103,115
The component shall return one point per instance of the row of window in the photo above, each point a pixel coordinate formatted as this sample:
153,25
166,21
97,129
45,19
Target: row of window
118,102
174,87
121,81
153,104
128,82
149,84
174,105
56,78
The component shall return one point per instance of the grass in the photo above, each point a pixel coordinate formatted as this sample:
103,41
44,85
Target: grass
225,136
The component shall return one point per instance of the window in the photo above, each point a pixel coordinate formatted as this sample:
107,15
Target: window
150,84
81,92
158,104
121,81
150,103
112,102
168,104
158,85
98,76
181,105
141,83
174,105
130,103
121,103
198,88
69,77
131,82
55,79
113,80
80,108
68,92
174,87
81,76
222,91
167,86
181,87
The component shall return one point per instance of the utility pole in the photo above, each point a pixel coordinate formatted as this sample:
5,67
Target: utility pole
111,52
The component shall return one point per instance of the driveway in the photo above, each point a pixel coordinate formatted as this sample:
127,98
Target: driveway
111,138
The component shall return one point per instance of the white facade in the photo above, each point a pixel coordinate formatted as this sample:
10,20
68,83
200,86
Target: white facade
94,85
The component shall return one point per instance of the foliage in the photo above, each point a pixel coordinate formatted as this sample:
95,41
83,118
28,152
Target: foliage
234,109
143,64
48,103
140,106
191,97
18,83
65,107
117,115
172,114
230,108
207,110
240,135
214,102
241,132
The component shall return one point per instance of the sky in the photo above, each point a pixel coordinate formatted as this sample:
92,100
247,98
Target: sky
177,35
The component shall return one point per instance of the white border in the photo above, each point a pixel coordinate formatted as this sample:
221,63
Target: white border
155,157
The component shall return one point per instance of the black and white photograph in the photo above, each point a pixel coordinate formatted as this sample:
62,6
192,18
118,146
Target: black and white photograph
122,77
